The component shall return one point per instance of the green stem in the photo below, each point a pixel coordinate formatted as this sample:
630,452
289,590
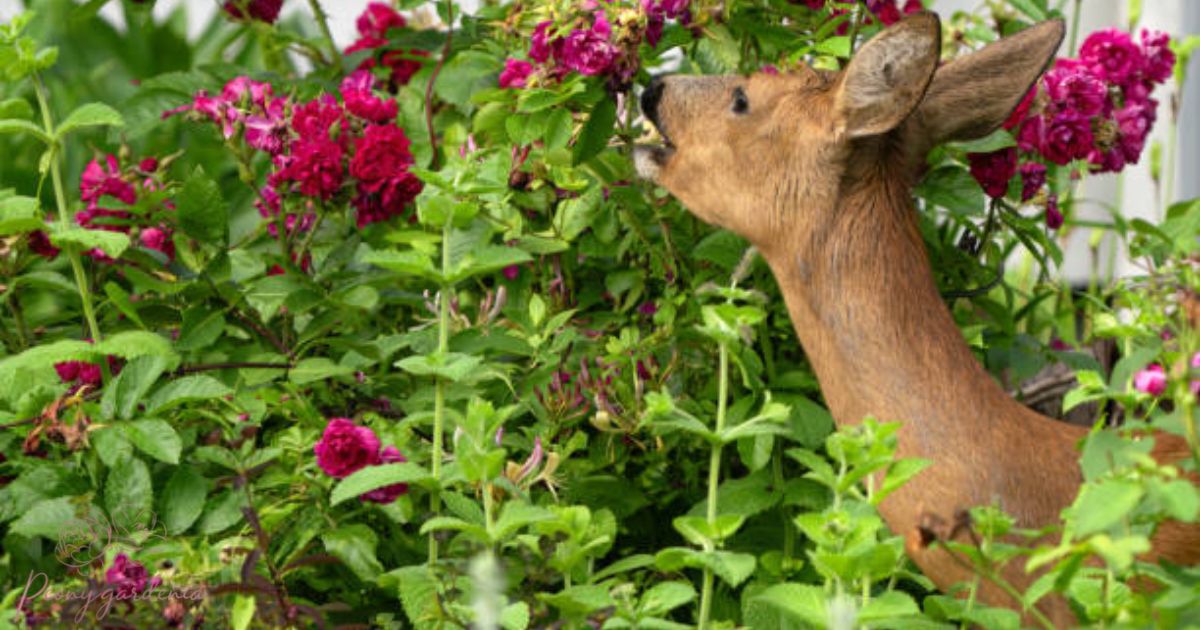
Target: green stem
439,387
789,530
1168,191
60,199
714,477
323,22
1074,27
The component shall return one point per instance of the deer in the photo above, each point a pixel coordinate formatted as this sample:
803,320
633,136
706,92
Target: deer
815,169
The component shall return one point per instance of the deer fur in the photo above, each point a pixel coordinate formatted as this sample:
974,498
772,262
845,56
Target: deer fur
815,169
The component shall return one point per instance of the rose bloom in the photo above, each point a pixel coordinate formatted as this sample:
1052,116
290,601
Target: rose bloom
380,164
1054,217
515,73
360,101
588,52
994,170
264,10
1152,380
1112,56
1067,137
129,578
1160,59
1076,89
1033,177
316,165
346,448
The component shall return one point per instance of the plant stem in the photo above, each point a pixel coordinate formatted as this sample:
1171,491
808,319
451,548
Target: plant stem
60,199
789,530
1074,27
714,477
439,386
323,22
435,157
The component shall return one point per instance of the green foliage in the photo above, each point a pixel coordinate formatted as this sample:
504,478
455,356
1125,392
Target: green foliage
601,412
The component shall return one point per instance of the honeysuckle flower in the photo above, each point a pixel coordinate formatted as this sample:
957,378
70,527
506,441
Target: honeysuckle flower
129,578
1151,380
346,448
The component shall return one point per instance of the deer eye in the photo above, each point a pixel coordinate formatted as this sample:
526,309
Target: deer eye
741,104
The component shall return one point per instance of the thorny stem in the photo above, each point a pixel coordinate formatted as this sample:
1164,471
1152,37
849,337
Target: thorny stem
439,387
60,198
437,69
323,22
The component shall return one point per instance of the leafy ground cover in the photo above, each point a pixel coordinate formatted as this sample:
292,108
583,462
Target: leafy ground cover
391,335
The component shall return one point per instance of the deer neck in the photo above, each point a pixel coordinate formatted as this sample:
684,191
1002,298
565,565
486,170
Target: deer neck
861,295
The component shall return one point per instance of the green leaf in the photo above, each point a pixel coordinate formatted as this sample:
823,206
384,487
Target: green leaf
453,366
155,438
576,215
409,263
122,395
1103,504
112,244
732,567
182,500
488,259
515,616
665,597
516,515
222,512
418,590
12,125
373,477
48,518
89,115
805,603
19,215
201,328
267,294
136,343
242,611
596,131
15,108
201,209
127,490
998,139
355,546
579,601
186,389
698,531
120,299
317,369
888,605
1030,9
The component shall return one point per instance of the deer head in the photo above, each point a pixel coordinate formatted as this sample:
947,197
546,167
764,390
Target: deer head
770,156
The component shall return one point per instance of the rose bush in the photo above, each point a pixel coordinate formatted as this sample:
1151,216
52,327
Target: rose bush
390,335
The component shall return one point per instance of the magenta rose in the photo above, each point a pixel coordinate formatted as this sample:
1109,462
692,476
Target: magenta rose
515,73
1112,56
1067,137
346,448
387,494
994,170
263,10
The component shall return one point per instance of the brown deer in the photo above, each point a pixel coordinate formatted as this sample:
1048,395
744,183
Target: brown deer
815,168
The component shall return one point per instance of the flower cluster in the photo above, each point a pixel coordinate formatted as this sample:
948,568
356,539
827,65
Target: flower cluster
591,45
262,10
345,448
314,145
373,26
886,11
1096,108
1153,378
129,578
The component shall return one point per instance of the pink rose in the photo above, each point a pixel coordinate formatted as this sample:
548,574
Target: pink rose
515,73
346,448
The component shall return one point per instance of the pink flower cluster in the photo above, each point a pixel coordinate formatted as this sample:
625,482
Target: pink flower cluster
1098,108
314,145
1153,379
591,46
373,26
346,448
105,180
129,578
82,373
886,11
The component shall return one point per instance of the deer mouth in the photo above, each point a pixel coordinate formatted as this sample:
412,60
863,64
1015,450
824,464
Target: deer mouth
650,158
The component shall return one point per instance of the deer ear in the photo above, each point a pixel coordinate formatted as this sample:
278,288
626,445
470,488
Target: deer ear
973,95
887,78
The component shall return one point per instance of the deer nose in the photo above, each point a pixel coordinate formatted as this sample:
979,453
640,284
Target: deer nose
650,97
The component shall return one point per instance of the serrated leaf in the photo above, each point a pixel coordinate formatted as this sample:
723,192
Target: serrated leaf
317,369
665,597
113,244
453,366
89,115
13,125
355,546
596,131
201,209
122,395
182,500
155,438
805,603
186,389
127,490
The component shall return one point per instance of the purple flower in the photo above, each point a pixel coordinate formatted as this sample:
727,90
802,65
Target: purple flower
1067,137
1152,380
387,494
129,578
1054,217
1160,60
515,73
346,448
1112,56
994,170
1075,89
1033,177
588,52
